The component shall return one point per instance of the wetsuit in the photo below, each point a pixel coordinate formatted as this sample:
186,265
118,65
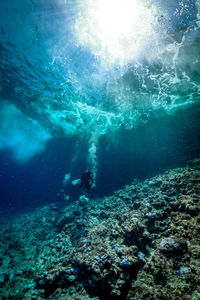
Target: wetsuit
87,180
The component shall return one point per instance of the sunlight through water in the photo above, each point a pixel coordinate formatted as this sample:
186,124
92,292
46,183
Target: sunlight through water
116,31
80,66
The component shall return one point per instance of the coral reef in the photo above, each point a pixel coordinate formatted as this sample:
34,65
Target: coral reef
141,243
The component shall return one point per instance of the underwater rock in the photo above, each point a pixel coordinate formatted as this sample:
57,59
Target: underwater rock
169,246
183,271
140,243
169,242
125,263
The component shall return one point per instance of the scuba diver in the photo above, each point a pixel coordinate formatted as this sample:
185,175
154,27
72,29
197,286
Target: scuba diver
87,180
73,188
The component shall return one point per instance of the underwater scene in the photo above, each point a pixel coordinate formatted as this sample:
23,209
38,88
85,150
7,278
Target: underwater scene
100,149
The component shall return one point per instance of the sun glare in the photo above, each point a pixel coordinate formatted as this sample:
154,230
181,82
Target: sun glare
115,30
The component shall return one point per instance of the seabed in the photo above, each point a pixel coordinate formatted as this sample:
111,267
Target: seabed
143,242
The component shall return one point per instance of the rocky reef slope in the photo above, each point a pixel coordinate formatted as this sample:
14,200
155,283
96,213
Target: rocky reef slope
141,243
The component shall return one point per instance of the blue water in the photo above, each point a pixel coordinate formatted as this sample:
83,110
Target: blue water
66,108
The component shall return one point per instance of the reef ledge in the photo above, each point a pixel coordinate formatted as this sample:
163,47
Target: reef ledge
143,242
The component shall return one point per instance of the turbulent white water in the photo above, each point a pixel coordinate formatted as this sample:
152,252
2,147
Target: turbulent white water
23,136
61,70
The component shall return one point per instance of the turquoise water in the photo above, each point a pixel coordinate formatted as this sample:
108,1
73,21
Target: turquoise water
69,72
67,86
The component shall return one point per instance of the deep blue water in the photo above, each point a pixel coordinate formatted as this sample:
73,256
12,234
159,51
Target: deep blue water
68,103
136,154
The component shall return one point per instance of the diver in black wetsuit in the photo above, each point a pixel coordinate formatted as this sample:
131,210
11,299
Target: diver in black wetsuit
72,189
87,180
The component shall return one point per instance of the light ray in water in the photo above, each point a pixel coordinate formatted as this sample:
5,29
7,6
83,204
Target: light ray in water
116,31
